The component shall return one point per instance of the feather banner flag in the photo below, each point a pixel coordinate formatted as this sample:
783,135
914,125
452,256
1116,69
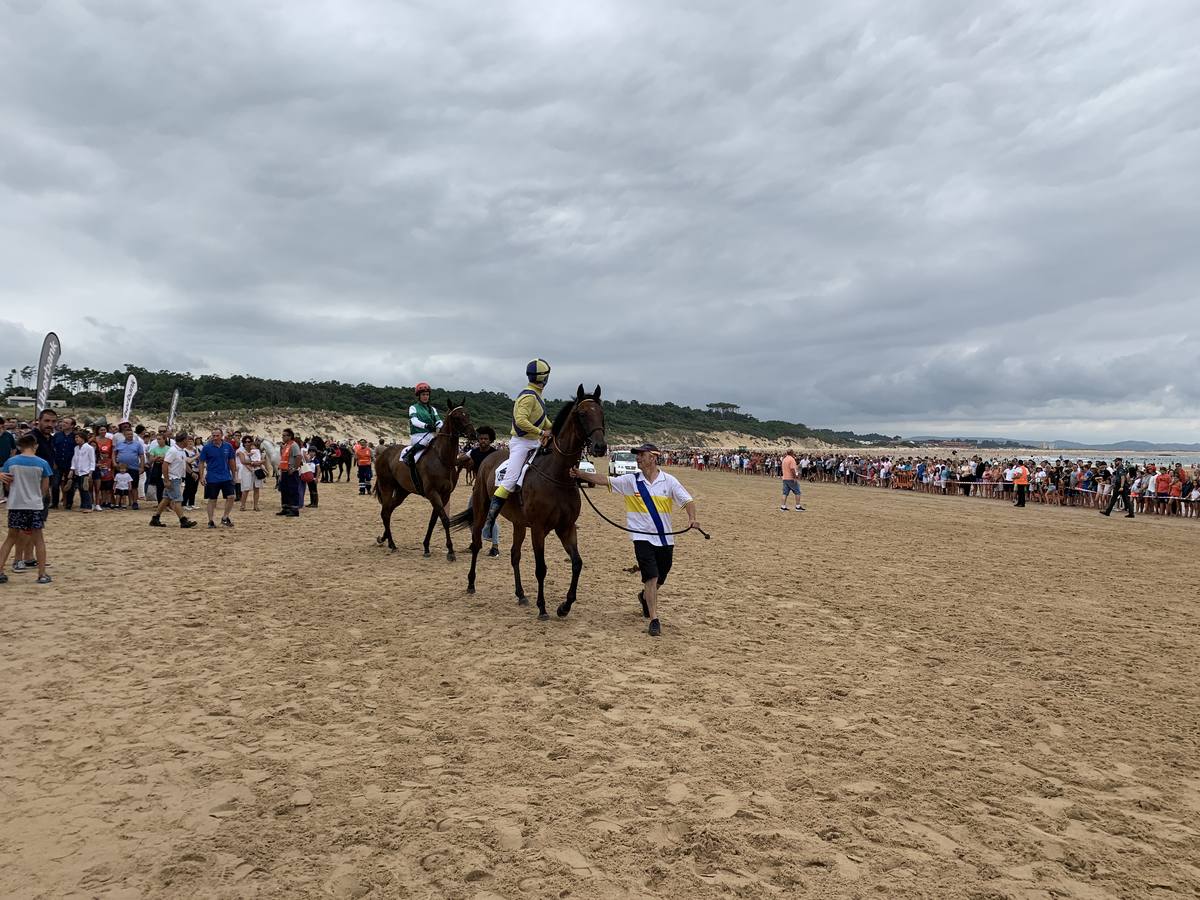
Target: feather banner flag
47,362
130,391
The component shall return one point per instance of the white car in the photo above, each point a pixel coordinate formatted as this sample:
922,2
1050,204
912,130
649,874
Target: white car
621,462
586,466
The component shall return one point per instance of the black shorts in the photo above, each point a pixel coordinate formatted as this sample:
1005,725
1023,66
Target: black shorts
220,489
653,561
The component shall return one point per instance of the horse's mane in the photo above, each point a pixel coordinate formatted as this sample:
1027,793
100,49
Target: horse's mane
563,415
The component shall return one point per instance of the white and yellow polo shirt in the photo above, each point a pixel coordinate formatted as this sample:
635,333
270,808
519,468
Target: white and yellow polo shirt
666,493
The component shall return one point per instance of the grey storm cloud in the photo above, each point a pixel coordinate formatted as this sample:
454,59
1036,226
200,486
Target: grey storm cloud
888,217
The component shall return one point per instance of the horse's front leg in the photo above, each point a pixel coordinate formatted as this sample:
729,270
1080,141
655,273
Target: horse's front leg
569,538
440,509
433,516
539,568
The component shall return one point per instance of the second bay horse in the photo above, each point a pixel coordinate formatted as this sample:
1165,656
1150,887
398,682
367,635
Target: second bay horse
438,469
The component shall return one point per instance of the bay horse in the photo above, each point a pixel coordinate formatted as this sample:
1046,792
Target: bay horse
439,474
548,500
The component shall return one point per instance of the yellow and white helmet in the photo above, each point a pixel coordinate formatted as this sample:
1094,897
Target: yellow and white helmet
538,371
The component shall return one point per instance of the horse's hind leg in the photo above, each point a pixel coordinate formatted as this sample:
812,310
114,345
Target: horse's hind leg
569,538
476,544
518,538
396,500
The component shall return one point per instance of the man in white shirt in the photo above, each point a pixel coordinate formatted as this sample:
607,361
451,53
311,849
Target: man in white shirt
650,497
174,470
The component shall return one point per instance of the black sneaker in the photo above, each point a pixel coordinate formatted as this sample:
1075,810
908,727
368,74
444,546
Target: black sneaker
800,508
212,524
134,506
645,606
282,512
227,522
495,551
655,629
156,522
3,578
187,523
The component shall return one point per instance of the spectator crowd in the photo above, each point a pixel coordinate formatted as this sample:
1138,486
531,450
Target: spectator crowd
1165,489
94,468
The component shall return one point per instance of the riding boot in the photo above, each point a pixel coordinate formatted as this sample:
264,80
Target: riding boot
493,510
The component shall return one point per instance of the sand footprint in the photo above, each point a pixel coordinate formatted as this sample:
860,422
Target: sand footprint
508,835
722,804
677,793
573,860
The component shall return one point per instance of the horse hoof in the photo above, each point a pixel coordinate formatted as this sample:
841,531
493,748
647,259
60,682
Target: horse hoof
563,610
427,554
470,590
522,601
450,557
380,541
543,616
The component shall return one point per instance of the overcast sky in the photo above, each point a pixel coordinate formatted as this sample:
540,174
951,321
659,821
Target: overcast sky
933,217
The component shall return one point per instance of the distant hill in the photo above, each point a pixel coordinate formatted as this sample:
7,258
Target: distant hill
201,394
1137,446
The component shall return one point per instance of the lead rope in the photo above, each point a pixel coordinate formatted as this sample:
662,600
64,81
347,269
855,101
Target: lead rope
707,536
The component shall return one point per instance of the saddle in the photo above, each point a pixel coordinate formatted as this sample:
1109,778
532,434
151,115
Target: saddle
502,470
409,457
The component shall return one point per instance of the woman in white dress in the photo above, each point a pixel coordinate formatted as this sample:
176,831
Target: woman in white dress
249,460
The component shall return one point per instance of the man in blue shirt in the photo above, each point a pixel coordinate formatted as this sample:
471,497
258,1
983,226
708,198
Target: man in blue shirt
216,474
129,449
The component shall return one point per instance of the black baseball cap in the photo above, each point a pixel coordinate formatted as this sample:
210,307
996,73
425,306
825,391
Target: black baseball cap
644,448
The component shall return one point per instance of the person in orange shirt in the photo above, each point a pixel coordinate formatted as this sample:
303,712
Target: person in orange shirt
364,455
1020,477
1162,488
791,484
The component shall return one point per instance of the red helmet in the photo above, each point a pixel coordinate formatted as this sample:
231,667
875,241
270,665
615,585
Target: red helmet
422,386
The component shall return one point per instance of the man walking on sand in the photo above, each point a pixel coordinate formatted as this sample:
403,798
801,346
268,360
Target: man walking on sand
174,469
1120,489
650,498
791,483
216,474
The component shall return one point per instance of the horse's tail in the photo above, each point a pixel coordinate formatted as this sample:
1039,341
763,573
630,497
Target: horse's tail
462,520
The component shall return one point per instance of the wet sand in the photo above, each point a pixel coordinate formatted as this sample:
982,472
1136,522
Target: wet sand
885,696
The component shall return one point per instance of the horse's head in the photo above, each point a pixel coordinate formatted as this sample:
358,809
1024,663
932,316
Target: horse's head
458,421
589,415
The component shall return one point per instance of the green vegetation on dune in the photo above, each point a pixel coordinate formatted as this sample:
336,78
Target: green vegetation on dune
204,393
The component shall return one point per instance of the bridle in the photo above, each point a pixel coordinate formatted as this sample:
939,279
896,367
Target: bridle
452,432
589,437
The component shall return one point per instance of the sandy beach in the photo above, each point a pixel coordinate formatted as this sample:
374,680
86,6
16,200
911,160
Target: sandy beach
889,695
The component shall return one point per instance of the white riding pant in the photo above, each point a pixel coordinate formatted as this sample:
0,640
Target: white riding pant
519,449
419,442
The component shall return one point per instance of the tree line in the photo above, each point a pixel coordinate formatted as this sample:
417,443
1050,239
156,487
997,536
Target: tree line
86,387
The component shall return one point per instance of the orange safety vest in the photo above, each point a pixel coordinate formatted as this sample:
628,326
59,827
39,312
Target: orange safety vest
285,453
364,455
1021,475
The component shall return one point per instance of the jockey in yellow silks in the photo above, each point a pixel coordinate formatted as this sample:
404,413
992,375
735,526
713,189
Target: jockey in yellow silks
529,427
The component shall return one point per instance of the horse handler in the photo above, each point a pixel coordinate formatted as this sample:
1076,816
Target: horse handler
650,497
